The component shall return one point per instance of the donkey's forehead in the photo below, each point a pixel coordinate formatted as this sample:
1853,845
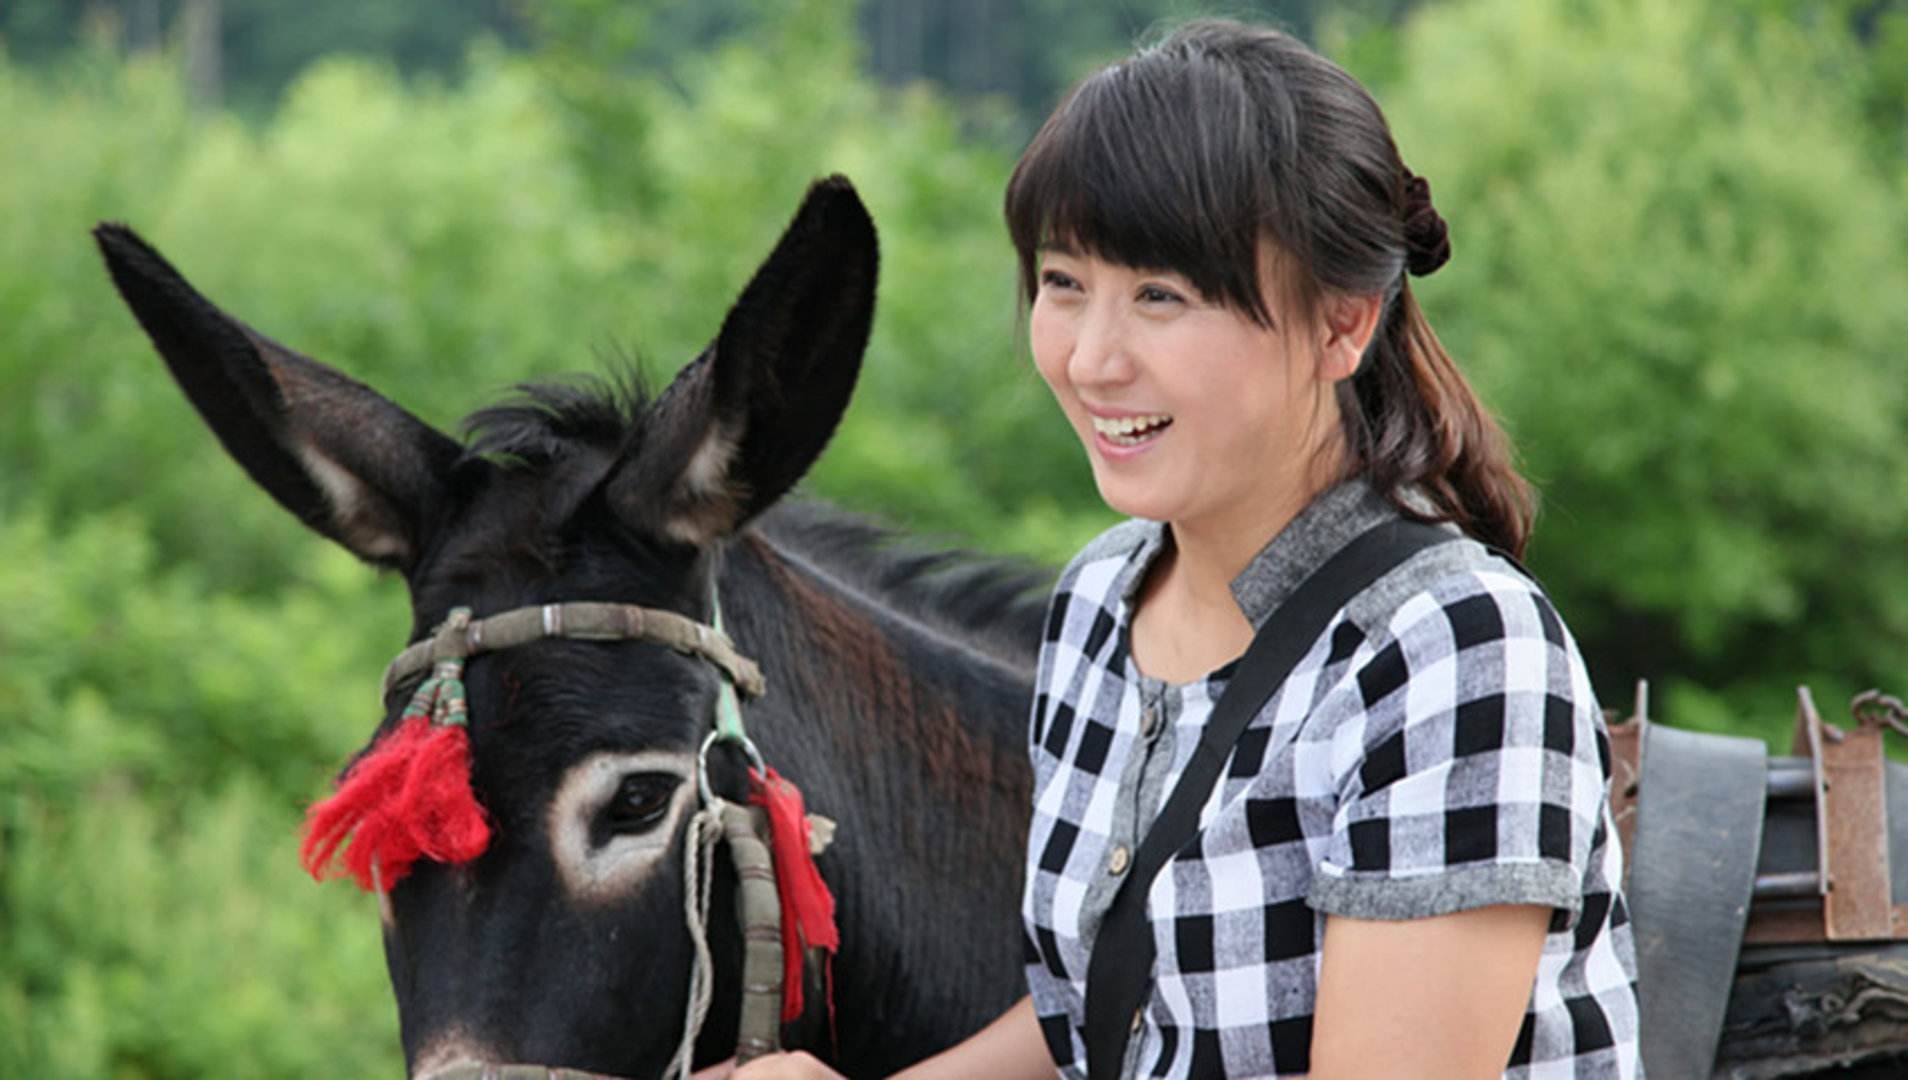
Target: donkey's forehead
525,536
548,704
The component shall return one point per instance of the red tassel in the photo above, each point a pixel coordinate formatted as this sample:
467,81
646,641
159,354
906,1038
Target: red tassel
808,908
409,797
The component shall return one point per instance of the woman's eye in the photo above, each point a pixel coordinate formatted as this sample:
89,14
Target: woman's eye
641,802
1158,294
1054,279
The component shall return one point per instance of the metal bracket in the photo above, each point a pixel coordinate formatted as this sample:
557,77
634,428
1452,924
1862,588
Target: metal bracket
1852,824
1845,778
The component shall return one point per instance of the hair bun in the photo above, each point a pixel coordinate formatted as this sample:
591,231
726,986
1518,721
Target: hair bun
1427,238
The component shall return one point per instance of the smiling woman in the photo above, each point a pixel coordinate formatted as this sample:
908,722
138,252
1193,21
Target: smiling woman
1306,740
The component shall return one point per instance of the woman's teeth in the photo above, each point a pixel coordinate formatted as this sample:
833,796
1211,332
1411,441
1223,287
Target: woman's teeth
1131,430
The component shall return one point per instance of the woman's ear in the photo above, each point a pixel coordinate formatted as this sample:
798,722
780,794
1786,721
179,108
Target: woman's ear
1344,333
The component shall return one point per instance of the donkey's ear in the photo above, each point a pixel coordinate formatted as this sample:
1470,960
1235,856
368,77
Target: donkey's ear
350,464
742,423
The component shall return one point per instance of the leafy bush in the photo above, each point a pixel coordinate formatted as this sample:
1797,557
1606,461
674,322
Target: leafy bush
159,741
1670,276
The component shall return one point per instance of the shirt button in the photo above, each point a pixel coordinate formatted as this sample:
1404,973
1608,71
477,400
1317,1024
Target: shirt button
1139,1018
1149,720
1116,862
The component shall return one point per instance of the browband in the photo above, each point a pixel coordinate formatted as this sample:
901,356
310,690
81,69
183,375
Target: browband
580,621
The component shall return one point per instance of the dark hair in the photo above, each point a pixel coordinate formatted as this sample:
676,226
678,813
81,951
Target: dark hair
1193,153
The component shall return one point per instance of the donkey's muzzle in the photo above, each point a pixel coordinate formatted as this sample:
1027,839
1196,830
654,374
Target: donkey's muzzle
492,1071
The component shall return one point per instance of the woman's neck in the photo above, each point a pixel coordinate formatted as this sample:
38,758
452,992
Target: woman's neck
1211,551
1188,622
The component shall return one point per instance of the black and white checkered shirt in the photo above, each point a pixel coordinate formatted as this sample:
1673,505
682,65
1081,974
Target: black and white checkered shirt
1438,748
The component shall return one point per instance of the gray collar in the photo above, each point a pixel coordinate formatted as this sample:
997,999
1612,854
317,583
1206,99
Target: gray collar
1332,520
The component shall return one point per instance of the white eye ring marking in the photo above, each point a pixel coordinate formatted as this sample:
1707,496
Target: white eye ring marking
595,874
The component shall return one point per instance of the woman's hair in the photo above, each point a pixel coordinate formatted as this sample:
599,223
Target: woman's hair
1194,153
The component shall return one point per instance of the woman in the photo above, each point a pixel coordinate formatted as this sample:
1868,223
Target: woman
1407,868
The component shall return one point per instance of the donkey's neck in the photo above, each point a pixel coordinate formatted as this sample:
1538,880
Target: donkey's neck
914,741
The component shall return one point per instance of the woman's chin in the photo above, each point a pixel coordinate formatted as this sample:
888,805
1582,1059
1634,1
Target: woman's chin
1150,501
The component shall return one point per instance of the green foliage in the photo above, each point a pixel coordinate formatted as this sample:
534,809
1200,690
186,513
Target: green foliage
160,738
753,124
262,45
1670,277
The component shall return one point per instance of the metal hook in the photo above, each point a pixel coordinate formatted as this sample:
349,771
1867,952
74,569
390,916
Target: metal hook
1877,707
702,760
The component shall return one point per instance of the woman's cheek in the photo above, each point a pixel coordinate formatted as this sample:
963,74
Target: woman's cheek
1048,339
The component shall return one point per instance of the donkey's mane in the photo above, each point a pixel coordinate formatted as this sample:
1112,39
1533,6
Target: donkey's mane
994,603
546,423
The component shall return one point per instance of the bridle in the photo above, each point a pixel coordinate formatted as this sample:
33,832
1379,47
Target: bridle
579,621
742,828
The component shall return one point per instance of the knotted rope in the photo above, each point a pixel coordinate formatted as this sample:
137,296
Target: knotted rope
759,910
699,841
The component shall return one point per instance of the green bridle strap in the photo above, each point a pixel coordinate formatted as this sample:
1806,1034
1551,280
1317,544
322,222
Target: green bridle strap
440,698
728,714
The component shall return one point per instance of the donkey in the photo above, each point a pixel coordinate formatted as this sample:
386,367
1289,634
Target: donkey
898,681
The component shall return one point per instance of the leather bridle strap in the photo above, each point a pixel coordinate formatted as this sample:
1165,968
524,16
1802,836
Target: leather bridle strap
580,621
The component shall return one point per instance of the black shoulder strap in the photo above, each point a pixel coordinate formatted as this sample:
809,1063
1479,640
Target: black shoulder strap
1121,969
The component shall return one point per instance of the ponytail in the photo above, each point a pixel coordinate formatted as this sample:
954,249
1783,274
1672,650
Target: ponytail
1425,441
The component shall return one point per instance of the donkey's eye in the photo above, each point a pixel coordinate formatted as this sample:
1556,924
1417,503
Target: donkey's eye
641,802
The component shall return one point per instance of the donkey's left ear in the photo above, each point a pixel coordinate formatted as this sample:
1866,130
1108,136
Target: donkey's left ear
743,422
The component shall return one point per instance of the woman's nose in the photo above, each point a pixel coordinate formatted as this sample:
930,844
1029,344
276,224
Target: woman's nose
1100,353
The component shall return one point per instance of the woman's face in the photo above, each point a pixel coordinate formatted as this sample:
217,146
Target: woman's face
1190,412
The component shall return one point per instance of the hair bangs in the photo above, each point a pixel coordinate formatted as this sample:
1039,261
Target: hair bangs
1152,165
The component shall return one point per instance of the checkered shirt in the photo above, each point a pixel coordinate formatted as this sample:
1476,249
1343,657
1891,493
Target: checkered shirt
1438,748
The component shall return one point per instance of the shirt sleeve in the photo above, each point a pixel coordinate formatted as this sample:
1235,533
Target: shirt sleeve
1472,765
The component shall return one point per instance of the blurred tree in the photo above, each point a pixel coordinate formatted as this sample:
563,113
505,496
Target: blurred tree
154,921
258,46
202,45
1878,66
1030,51
1671,271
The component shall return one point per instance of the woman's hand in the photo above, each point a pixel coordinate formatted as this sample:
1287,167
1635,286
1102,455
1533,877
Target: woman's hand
1010,1048
800,1065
